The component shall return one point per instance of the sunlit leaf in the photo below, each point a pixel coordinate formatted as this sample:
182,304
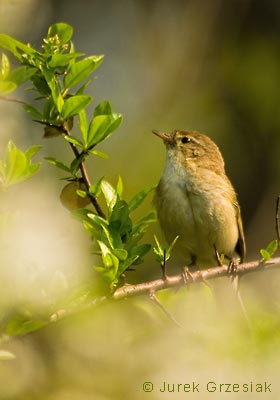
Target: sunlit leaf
51,80
33,111
81,70
109,259
58,164
74,105
7,87
109,193
62,30
139,198
15,46
120,186
95,190
20,325
5,67
104,108
61,60
17,166
21,75
83,123
99,153
72,139
268,252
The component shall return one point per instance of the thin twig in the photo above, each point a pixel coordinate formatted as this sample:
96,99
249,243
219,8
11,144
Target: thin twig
155,300
82,167
197,276
12,100
171,281
85,176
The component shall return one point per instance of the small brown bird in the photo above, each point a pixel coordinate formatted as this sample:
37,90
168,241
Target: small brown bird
195,200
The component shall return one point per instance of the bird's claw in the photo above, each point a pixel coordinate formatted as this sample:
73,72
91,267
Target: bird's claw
232,268
187,276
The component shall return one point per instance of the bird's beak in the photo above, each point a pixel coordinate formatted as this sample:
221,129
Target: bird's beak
164,136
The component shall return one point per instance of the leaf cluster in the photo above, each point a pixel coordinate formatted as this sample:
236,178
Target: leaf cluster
117,236
16,165
59,76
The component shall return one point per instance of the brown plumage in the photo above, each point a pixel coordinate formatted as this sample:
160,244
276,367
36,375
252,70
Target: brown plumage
195,200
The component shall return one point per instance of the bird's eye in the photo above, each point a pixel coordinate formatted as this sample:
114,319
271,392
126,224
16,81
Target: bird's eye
185,139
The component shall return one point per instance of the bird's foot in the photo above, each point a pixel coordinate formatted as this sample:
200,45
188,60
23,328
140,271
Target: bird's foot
232,268
186,275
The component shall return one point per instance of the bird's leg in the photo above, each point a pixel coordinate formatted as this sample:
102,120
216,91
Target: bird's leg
218,257
232,268
186,274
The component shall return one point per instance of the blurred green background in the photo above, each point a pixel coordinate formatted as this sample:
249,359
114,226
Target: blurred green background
212,66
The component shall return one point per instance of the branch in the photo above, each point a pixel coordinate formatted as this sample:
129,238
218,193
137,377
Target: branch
12,100
151,287
197,276
85,176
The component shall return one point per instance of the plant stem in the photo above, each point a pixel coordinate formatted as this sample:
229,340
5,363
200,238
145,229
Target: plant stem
85,177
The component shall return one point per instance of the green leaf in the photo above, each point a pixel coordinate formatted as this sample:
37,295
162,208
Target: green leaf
268,252
120,186
75,164
95,190
112,236
104,108
109,193
17,165
121,254
141,225
81,70
139,198
110,261
62,30
16,47
99,153
50,112
7,87
72,139
62,60
58,164
141,250
81,193
52,83
82,89
265,254
119,218
159,250
126,264
33,111
93,229
40,84
20,325
83,124
32,151
170,248
5,67
74,105
21,75
101,126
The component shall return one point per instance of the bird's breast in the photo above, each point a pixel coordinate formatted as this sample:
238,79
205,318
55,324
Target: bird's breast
196,206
